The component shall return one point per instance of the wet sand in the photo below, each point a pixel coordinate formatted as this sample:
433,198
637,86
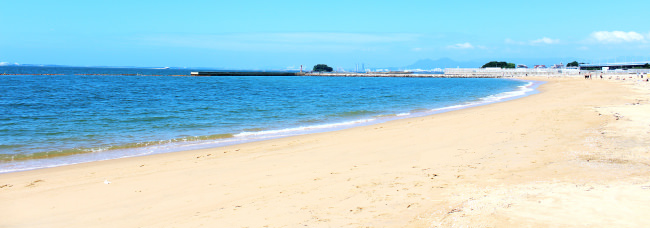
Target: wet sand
575,155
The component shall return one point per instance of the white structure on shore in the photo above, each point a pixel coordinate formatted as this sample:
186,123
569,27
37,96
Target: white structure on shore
510,72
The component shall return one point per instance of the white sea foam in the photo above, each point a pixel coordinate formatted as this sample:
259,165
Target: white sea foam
523,90
520,92
291,131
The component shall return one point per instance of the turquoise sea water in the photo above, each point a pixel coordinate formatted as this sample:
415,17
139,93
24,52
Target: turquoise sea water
53,120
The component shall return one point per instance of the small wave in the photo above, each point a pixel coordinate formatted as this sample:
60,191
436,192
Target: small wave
150,119
52,133
255,129
353,113
394,115
307,121
11,146
75,151
521,91
41,155
453,107
297,130
419,110
209,137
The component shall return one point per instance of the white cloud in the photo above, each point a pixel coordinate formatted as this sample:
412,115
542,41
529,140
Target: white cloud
465,45
544,40
617,37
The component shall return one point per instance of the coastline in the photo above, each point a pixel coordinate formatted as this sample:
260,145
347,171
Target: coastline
573,155
55,158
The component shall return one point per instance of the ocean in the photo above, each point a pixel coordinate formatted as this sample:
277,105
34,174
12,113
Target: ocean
54,116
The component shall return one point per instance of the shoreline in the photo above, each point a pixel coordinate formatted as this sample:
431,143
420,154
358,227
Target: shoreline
573,155
178,145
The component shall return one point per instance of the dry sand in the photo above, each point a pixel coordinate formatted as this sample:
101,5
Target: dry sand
575,155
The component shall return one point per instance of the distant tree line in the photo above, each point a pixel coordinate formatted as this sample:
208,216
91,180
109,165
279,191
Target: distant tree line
322,68
573,64
499,64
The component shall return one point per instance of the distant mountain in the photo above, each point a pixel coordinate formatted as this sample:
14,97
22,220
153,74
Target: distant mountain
442,63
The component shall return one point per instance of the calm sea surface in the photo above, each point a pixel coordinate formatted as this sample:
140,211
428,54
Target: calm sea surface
53,120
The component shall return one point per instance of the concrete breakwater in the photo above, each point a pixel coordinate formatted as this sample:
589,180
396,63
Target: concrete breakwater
405,75
244,73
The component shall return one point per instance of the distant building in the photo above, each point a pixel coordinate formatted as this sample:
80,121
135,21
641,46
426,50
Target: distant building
615,66
522,66
540,66
558,66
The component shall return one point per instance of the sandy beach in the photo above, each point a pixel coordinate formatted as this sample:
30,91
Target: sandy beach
577,154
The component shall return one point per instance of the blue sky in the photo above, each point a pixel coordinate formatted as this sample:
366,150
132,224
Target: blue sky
284,34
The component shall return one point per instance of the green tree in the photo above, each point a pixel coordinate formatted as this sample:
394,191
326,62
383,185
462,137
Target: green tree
573,64
322,68
499,64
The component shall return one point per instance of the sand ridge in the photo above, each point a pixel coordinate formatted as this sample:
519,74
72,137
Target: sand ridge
574,155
